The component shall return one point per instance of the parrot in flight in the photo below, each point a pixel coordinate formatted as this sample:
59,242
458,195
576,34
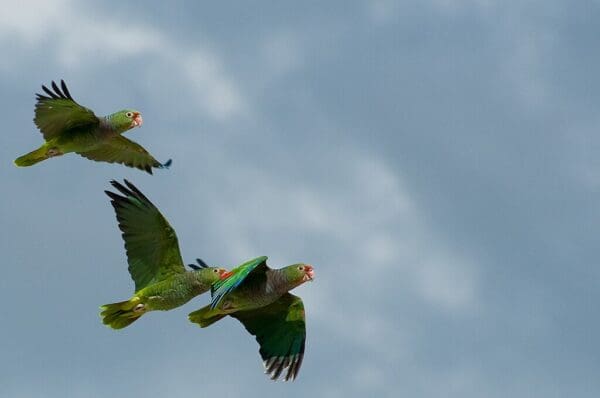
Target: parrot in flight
155,264
70,127
259,298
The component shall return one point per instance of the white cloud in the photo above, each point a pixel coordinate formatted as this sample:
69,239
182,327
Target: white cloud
106,42
447,280
369,221
79,38
29,20
216,91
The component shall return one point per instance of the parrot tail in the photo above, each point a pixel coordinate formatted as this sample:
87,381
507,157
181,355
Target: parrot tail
123,314
205,316
33,157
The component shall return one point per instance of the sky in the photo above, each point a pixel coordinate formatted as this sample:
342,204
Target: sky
435,161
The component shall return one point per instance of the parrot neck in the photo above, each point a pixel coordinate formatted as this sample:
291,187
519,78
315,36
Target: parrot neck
107,123
197,281
199,278
277,281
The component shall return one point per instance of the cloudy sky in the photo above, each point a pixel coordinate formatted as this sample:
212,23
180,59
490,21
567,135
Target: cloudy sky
436,161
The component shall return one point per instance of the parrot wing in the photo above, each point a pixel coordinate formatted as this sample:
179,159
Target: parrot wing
151,243
220,288
280,330
119,149
57,112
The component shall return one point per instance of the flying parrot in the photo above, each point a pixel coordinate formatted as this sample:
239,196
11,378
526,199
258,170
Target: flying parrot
70,127
259,298
155,264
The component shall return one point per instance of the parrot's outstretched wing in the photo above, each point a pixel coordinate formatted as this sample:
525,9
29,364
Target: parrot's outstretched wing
151,243
119,149
280,330
57,112
220,288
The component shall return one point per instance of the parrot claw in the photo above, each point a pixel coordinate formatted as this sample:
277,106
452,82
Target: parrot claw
52,152
139,308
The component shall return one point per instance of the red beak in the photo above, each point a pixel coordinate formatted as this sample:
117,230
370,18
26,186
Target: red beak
137,119
226,274
310,272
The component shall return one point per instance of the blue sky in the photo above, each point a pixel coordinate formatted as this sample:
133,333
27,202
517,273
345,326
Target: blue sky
436,161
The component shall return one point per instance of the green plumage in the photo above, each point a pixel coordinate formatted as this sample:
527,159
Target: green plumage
258,297
155,263
69,127
280,330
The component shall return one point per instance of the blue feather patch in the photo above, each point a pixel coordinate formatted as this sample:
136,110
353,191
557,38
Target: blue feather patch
222,287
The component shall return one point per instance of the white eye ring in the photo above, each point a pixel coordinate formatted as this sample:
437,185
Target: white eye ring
301,268
215,270
129,114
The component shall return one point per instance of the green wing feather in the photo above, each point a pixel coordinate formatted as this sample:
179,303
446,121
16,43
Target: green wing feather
119,149
57,112
280,330
151,243
220,288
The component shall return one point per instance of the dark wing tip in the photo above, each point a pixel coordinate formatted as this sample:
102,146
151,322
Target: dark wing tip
113,195
275,365
137,193
194,266
57,92
164,165
65,90
49,92
295,366
201,263
129,184
130,191
117,201
121,188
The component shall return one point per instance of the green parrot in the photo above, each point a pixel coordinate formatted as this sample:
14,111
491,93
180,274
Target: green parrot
70,127
258,297
155,264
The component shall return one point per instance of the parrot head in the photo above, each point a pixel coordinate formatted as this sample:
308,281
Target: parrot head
211,274
126,119
297,274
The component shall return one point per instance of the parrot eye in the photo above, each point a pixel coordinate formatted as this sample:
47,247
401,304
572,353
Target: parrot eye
301,268
215,270
129,114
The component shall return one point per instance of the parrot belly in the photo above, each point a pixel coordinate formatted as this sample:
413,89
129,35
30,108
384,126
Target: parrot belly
167,295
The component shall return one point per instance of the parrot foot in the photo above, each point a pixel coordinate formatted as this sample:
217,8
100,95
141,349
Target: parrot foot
139,308
52,152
